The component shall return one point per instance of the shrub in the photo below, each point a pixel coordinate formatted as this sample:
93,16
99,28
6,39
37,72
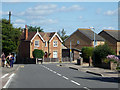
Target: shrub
100,52
38,53
113,58
87,53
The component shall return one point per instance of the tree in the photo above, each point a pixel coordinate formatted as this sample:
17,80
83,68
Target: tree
10,37
100,52
38,53
62,34
87,52
32,29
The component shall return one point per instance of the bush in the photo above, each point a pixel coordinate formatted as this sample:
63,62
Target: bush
87,53
100,52
38,53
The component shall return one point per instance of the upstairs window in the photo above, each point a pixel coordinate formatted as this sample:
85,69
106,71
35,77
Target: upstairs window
55,43
45,43
37,43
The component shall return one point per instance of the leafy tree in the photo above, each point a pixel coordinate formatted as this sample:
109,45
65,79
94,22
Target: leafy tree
10,37
38,53
31,29
62,34
87,52
100,52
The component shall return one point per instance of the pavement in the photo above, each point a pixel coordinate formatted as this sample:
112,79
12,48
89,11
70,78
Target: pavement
93,70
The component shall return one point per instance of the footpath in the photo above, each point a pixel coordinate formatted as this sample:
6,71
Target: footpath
93,70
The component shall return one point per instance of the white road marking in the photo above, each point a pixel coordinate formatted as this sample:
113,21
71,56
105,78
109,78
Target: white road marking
4,75
54,72
59,74
65,77
86,88
75,82
8,82
51,70
11,75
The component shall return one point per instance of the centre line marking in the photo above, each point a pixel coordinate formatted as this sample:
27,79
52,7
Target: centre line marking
75,82
4,75
86,88
58,74
65,77
54,72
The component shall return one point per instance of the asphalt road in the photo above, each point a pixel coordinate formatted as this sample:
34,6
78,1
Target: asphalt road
53,76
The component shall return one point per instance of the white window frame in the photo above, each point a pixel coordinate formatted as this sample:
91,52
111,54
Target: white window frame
55,54
38,43
45,43
54,43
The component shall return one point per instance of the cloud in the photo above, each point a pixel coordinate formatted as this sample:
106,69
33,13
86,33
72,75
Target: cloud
45,21
108,27
19,25
98,11
3,13
111,12
80,17
41,10
71,8
20,21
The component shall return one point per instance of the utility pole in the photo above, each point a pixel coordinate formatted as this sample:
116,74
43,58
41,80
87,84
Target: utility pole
9,16
70,52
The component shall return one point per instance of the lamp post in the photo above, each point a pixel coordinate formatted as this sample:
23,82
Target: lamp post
70,52
90,62
94,34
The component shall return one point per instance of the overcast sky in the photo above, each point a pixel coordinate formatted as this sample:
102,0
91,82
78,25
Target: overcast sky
54,16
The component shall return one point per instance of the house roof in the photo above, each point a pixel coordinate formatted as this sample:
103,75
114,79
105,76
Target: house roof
90,34
49,35
113,33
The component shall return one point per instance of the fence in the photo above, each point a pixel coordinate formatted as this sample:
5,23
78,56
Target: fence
66,59
51,60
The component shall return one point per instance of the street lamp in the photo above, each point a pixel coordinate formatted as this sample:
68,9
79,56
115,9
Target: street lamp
90,62
94,34
70,52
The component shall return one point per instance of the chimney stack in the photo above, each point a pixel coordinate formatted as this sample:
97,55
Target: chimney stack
26,32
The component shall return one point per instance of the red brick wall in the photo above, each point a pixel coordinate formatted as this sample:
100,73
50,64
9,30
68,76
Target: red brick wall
58,48
84,41
24,49
109,40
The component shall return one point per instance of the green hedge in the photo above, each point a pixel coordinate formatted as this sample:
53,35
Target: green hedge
100,52
38,53
87,52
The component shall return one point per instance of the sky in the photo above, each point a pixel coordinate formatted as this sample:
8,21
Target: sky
54,16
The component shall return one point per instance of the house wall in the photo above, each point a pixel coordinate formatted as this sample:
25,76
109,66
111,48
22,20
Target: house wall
58,48
24,49
32,45
84,41
45,49
98,43
118,47
109,40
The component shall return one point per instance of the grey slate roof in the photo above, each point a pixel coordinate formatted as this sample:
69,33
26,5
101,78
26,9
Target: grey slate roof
113,33
90,34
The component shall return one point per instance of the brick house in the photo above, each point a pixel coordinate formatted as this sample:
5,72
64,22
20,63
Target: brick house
83,38
112,39
49,42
